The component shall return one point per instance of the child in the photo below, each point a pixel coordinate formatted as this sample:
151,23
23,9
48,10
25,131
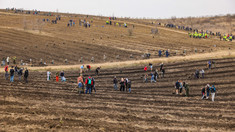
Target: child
57,77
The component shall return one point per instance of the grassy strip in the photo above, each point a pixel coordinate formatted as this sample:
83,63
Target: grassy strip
110,65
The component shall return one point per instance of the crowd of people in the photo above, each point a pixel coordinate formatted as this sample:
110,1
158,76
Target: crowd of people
154,75
125,84
199,35
179,86
207,90
195,33
87,85
228,37
12,71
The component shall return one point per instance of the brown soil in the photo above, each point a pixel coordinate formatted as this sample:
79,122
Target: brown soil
44,106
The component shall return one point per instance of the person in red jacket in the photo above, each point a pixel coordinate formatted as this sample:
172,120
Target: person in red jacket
6,72
89,83
145,68
88,67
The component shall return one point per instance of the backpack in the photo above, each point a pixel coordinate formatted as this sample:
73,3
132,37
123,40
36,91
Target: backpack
6,69
89,81
213,90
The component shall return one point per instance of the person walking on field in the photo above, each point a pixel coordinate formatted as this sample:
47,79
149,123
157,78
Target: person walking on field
8,60
57,77
177,86
88,67
145,68
122,85
48,75
81,69
6,72
213,91
207,91
146,78
151,66
80,84
62,76
20,73
89,84
26,74
186,87
129,85
126,80
152,78
93,85
12,74
115,81
97,71
202,73
203,92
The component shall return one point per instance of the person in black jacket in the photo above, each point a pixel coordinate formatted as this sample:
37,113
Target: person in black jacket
20,73
12,71
122,85
115,81
129,85
26,74
177,86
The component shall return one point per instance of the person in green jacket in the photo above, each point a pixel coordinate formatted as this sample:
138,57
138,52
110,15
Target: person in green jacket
186,87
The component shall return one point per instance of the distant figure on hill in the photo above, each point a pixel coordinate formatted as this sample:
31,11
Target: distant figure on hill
20,73
203,92
152,78
167,53
122,85
6,72
129,85
3,61
159,53
97,70
145,68
202,73
89,84
80,84
151,66
207,91
63,79
81,69
186,87
197,74
93,85
126,80
88,67
12,74
8,60
161,66
57,77
177,86
115,81
146,78
209,64
48,75
213,91
26,74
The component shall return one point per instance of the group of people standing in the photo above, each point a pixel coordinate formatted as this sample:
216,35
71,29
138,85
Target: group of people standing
179,85
159,72
207,90
16,71
61,75
125,84
88,83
